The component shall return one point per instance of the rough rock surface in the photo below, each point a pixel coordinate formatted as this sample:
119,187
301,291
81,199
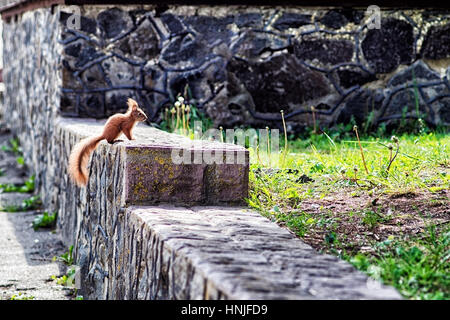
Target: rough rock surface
386,48
244,64
162,167
226,253
437,43
33,81
226,57
167,252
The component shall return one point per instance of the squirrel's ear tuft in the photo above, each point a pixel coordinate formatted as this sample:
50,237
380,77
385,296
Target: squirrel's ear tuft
132,104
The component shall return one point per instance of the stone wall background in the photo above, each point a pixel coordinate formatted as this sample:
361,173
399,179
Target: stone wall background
244,64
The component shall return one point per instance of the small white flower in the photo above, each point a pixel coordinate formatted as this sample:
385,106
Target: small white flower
177,104
181,99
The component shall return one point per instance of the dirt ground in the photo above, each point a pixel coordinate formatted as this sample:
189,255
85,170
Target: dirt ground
362,219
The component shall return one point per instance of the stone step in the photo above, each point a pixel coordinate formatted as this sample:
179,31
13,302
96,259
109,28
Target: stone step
136,238
160,167
228,253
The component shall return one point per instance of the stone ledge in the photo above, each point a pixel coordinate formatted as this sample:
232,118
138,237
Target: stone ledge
173,252
151,176
230,253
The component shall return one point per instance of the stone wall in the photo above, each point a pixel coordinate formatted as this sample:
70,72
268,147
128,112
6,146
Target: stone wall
162,251
93,219
33,79
174,252
243,65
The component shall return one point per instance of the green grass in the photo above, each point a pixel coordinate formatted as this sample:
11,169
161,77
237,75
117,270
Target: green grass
34,202
27,187
21,296
68,279
14,147
331,164
66,257
44,220
418,267
422,162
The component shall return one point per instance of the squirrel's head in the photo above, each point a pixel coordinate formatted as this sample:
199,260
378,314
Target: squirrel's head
136,112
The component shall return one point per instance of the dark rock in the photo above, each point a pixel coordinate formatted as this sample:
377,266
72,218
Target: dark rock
94,78
430,14
211,28
121,73
442,107
252,44
153,78
172,23
323,106
404,101
86,55
68,104
137,15
281,79
114,22
291,20
202,83
73,50
194,80
87,25
352,15
160,9
351,77
247,20
328,51
92,105
432,92
386,48
358,105
155,100
334,19
184,48
379,96
419,69
68,78
117,101
142,43
436,44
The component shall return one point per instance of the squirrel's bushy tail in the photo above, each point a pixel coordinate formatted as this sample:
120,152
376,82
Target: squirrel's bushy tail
79,158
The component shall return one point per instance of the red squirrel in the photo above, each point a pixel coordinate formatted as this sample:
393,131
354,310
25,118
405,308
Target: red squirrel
116,124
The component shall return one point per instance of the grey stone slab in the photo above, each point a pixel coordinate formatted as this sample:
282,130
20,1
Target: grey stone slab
154,175
237,268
